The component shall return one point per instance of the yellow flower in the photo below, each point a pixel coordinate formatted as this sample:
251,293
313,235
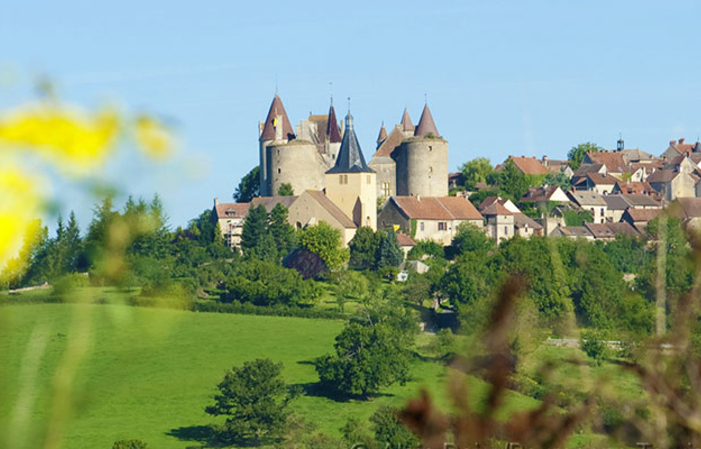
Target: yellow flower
19,206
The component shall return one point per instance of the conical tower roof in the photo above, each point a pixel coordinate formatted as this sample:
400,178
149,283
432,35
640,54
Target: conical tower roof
332,126
383,135
426,124
276,108
407,126
350,157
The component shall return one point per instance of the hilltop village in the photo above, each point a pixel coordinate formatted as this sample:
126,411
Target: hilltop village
319,173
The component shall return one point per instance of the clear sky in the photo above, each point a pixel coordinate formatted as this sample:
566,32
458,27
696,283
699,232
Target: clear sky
518,77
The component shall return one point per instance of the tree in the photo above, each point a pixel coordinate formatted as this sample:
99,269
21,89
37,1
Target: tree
389,253
363,247
558,179
285,190
476,170
391,432
576,154
368,356
282,231
512,182
249,187
254,399
325,241
255,226
470,238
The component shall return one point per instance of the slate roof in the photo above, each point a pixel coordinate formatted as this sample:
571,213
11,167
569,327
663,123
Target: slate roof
350,157
276,108
638,200
529,165
600,231
437,208
405,123
426,124
662,176
231,210
616,202
624,228
575,231
635,155
391,142
587,168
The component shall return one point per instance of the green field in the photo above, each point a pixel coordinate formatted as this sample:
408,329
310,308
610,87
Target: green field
147,374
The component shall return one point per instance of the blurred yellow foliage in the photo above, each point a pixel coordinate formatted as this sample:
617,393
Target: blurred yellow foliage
69,137
153,137
19,207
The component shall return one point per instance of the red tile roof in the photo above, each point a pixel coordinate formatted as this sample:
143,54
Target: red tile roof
644,215
599,179
529,165
383,134
406,124
276,108
639,188
686,208
231,210
612,159
391,142
496,209
405,240
437,208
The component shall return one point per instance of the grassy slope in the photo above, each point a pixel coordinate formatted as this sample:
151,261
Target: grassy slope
149,371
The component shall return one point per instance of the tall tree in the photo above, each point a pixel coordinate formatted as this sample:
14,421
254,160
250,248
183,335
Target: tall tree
282,231
249,187
512,182
389,253
325,241
577,153
363,247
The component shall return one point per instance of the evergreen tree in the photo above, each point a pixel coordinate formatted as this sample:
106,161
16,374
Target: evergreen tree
389,253
255,226
363,248
281,230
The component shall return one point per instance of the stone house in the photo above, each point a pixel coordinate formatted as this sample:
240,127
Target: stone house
429,218
500,222
230,218
670,184
591,202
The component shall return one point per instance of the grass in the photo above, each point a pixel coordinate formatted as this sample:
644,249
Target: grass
148,373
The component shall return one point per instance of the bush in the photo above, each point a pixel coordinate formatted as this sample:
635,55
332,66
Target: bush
129,444
594,347
67,284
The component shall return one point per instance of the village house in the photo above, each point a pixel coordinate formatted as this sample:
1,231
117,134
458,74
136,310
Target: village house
542,196
639,188
639,218
678,147
591,202
573,232
671,184
429,218
526,227
527,165
596,182
230,218
500,221
557,166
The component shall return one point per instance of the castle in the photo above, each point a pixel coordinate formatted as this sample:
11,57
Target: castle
408,161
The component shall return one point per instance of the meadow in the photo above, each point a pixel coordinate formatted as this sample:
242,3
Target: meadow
90,374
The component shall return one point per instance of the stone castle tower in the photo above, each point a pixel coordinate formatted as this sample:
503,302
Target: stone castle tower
422,161
351,184
409,160
301,159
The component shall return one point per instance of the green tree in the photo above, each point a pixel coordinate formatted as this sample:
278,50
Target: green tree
255,226
325,241
576,154
389,253
512,183
468,280
476,170
469,238
281,230
249,187
254,399
363,248
389,431
285,190
367,358
557,179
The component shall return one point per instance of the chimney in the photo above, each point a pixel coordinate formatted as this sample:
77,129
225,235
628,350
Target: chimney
418,197
672,143
216,202
681,141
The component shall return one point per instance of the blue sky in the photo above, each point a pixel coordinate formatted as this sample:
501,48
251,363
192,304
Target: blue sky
522,78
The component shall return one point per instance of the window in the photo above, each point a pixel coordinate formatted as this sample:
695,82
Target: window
506,230
385,189
430,148
430,170
343,179
421,225
279,171
442,226
368,178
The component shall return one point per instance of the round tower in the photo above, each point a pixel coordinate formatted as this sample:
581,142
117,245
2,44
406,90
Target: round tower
275,129
297,163
422,161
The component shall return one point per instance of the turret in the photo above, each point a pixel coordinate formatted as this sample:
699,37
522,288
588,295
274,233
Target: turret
276,128
422,161
351,184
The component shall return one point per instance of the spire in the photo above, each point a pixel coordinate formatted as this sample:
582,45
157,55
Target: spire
407,126
277,109
426,125
350,157
332,130
383,134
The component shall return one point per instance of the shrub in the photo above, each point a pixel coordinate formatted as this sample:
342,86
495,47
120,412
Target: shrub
594,347
67,284
129,444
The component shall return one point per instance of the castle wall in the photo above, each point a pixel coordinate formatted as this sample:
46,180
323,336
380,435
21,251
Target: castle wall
422,167
386,170
264,168
297,163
